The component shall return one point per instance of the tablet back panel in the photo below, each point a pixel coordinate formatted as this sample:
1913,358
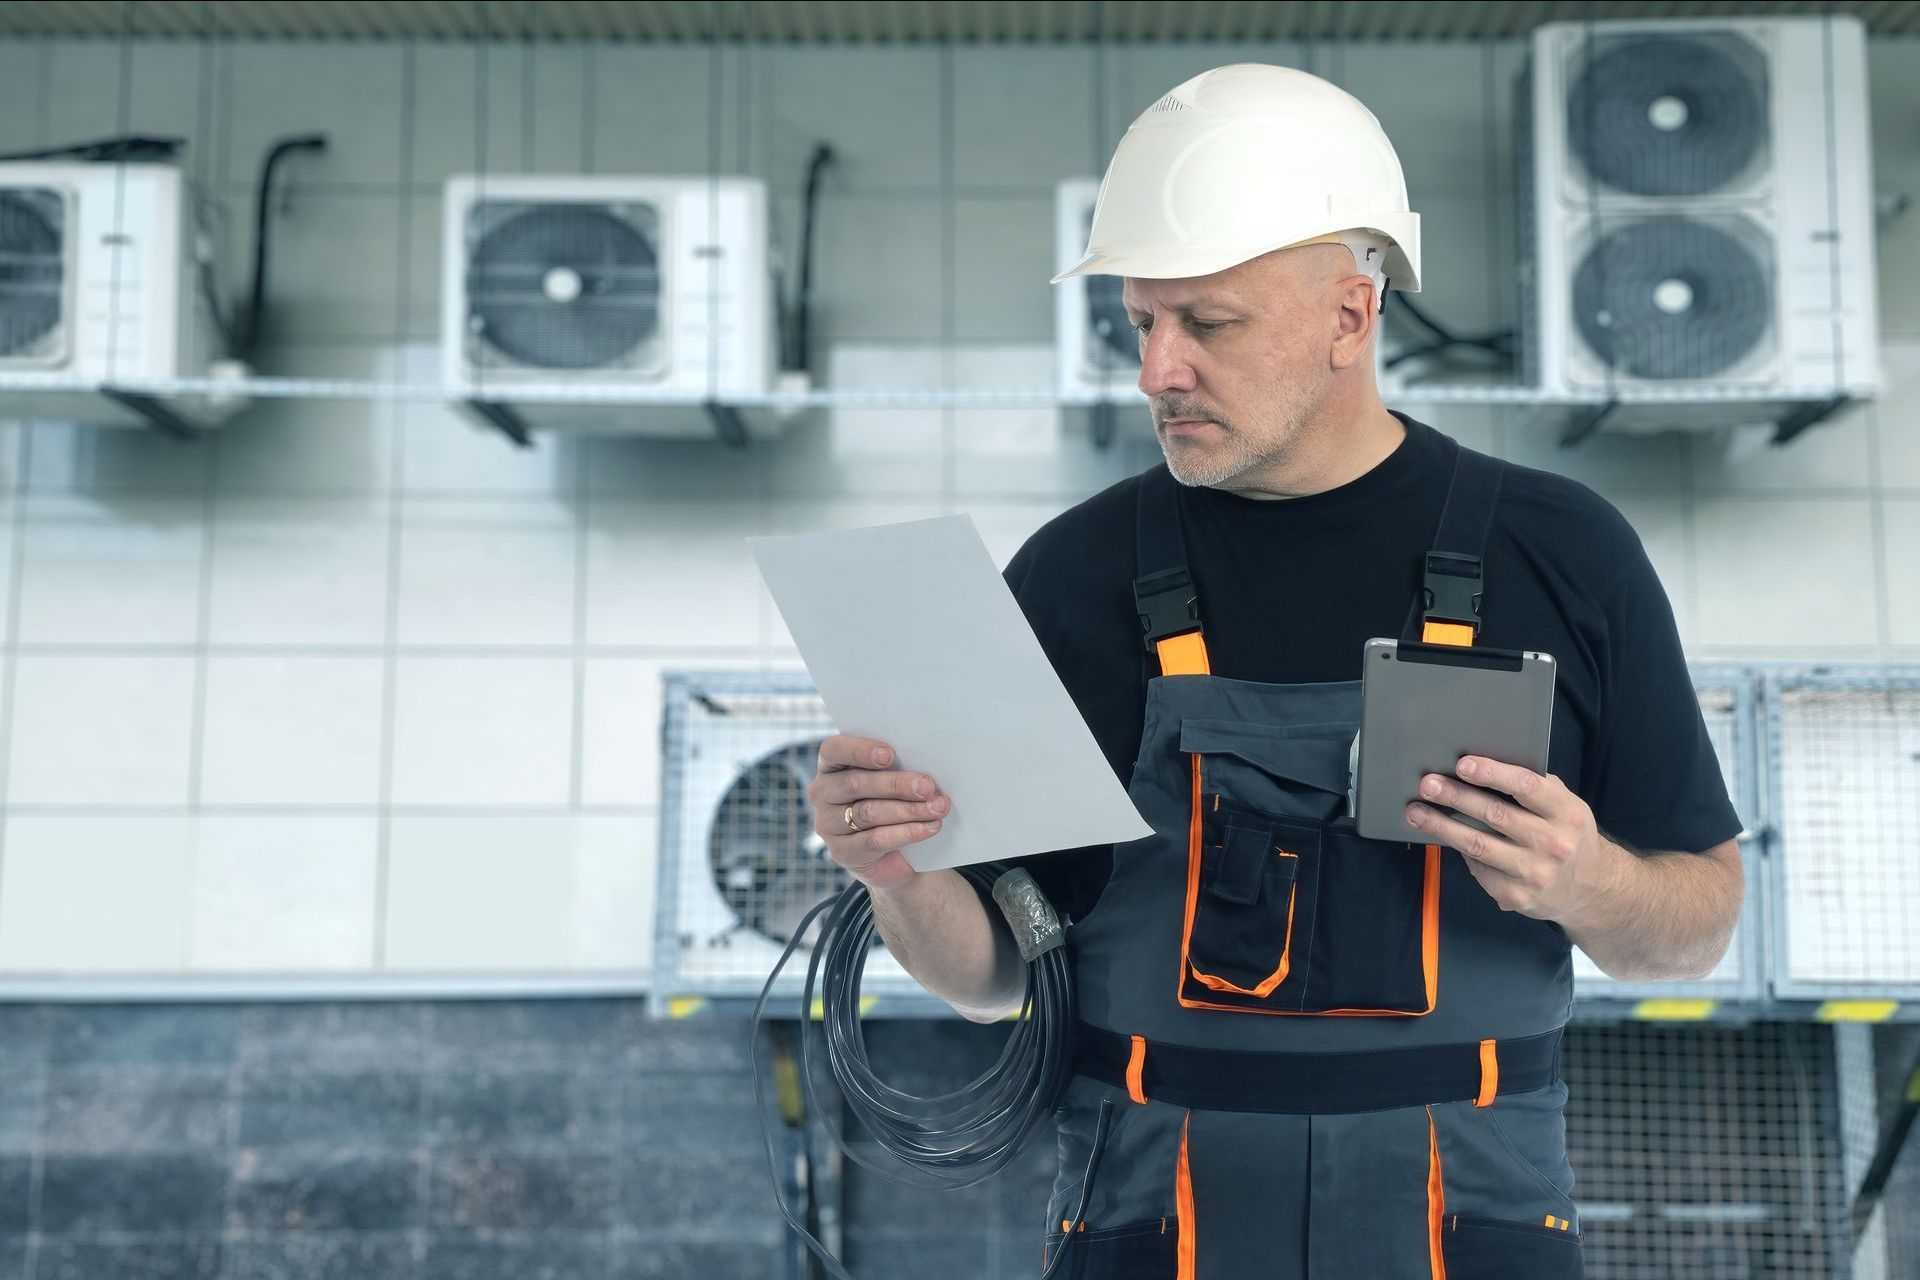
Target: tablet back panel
1423,710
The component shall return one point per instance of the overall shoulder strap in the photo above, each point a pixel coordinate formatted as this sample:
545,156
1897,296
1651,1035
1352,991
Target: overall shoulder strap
1163,593
1452,598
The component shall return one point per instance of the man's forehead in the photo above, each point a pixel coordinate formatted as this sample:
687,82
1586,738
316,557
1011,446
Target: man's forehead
1178,295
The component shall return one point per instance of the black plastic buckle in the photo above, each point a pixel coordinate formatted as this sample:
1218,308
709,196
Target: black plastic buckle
1167,603
1452,591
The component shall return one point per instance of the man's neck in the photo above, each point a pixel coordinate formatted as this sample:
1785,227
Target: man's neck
1327,453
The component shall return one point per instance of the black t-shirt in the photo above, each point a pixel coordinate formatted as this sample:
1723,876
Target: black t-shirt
1291,589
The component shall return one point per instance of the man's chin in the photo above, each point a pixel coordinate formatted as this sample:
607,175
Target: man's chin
1197,467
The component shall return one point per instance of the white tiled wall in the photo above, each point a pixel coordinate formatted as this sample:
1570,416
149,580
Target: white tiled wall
360,690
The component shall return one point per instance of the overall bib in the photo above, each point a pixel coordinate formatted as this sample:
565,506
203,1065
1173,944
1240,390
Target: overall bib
1328,1058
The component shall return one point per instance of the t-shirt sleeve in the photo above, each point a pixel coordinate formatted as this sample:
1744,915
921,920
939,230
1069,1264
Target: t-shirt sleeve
1655,782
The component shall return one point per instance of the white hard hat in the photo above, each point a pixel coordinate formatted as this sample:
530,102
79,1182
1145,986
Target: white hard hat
1245,159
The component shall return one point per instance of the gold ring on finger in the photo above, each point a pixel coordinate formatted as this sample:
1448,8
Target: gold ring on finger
848,819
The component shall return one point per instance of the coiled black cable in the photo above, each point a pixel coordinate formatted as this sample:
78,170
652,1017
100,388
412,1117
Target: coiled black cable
950,1140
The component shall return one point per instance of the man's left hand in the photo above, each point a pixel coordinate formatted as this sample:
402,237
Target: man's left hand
1545,857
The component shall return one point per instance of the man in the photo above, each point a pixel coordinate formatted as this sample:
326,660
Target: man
1325,1056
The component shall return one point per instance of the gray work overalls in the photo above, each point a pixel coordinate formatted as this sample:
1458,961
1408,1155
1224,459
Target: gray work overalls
1328,1058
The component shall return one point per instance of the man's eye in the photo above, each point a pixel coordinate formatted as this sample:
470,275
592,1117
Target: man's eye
1206,326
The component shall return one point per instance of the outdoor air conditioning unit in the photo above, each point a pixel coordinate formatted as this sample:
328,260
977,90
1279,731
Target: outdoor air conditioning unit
607,303
99,291
1699,213
1099,355
740,863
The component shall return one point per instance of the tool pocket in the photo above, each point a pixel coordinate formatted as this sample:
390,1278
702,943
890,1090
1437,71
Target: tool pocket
1487,1249
1133,1229
1298,771
1508,1187
1288,910
1241,942
1141,1251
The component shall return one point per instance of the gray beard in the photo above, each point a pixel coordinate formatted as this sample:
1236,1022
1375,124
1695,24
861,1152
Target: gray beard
1213,469
1236,454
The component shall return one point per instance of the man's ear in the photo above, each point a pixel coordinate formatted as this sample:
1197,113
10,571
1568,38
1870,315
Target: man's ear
1354,322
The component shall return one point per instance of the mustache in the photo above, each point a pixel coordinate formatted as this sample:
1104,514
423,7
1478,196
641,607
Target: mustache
1169,410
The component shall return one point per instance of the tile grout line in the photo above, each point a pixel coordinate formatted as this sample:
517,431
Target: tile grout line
423,1153
1877,532
197,721
202,648
763,488
589,99
581,520
37,1171
949,364
209,90
43,96
529,106
1490,139
395,497
1689,544
582,545
229,1225
9,669
224,88
36,1175
373,649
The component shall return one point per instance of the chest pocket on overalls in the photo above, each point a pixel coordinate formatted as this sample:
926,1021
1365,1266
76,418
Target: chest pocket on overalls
1288,910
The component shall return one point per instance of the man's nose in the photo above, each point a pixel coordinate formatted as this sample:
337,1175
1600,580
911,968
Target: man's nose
1164,362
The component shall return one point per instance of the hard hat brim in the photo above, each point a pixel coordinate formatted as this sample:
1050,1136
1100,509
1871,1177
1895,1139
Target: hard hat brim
1183,262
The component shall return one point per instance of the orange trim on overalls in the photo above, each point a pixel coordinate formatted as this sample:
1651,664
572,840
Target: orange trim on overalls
1461,635
1489,1073
1183,1206
1430,928
1137,1070
1436,1204
1193,881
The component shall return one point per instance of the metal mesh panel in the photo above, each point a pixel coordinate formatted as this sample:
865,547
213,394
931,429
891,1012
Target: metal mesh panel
1847,767
1711,1153
1729,730
1896,1224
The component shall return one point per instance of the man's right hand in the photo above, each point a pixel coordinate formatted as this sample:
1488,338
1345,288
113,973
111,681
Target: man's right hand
889,809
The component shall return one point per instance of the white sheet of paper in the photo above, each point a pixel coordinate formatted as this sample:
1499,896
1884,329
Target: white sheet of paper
912,637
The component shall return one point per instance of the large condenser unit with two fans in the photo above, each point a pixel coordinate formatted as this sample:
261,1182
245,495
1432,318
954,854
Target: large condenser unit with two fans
101,304
1699,215
606,303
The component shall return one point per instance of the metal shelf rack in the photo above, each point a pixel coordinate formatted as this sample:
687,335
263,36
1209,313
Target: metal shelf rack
169,404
